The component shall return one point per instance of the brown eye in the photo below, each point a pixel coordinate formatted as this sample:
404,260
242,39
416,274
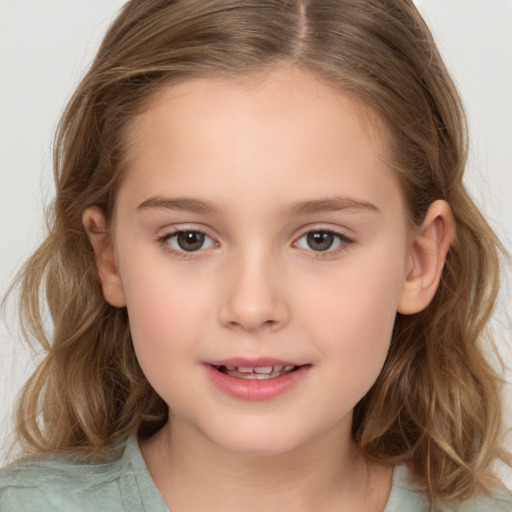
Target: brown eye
323,240
188,241
320,240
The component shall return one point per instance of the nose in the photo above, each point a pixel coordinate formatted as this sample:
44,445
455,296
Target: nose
254,295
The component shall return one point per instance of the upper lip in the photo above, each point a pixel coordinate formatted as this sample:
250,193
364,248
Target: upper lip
252,362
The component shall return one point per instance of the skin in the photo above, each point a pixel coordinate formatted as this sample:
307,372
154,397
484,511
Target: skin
252,150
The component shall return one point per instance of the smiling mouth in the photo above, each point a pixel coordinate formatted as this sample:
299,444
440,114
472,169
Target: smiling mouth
256,372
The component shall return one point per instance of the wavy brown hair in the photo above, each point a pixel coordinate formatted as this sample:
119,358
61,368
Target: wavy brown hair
436,405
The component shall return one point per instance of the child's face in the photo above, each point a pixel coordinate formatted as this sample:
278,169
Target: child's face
258,226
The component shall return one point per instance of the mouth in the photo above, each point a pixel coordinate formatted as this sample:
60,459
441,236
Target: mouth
256,379
256,372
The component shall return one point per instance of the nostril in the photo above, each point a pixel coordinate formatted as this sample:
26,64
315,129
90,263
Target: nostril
252,324
253,308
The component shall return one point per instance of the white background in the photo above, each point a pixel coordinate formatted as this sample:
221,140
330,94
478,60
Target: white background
45,46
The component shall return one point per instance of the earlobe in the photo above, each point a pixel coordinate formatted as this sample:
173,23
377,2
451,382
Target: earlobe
96,227
427,258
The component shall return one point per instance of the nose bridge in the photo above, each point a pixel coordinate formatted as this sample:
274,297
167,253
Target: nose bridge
254,295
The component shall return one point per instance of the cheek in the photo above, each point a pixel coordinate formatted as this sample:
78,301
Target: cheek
162,320
352,322
362,296
165,329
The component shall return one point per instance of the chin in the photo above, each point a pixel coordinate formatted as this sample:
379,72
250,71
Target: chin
256,440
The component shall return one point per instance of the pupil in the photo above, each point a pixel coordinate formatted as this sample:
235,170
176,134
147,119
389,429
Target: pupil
320,240
190,240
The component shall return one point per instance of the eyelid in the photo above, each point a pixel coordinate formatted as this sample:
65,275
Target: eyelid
172,229
175,230
336,229
344,240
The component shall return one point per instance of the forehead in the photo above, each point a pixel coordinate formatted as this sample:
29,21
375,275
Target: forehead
246,98
282,133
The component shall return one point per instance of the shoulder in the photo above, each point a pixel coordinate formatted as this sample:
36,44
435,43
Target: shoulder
405,495
499,501
61,483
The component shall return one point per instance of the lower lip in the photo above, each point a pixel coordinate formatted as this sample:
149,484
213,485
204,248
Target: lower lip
256,389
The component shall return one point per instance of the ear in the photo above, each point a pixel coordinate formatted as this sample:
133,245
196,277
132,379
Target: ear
96,227
427,258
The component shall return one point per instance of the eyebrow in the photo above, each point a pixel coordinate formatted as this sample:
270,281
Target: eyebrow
330,205
187,204
296,208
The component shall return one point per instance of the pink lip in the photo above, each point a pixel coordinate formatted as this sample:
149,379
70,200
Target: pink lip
254,389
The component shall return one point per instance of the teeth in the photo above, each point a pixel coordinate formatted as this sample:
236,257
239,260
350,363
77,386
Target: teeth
257,372
259,369
263,369
245,369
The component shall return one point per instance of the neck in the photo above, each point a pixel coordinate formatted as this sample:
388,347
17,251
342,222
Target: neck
327,473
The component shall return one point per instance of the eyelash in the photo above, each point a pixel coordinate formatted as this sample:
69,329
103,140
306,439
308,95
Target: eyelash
183,253
343,242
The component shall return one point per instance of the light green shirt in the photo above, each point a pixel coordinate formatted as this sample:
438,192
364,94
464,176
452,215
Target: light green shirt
57,483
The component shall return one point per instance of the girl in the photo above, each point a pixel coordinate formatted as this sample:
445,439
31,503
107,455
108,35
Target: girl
267,282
